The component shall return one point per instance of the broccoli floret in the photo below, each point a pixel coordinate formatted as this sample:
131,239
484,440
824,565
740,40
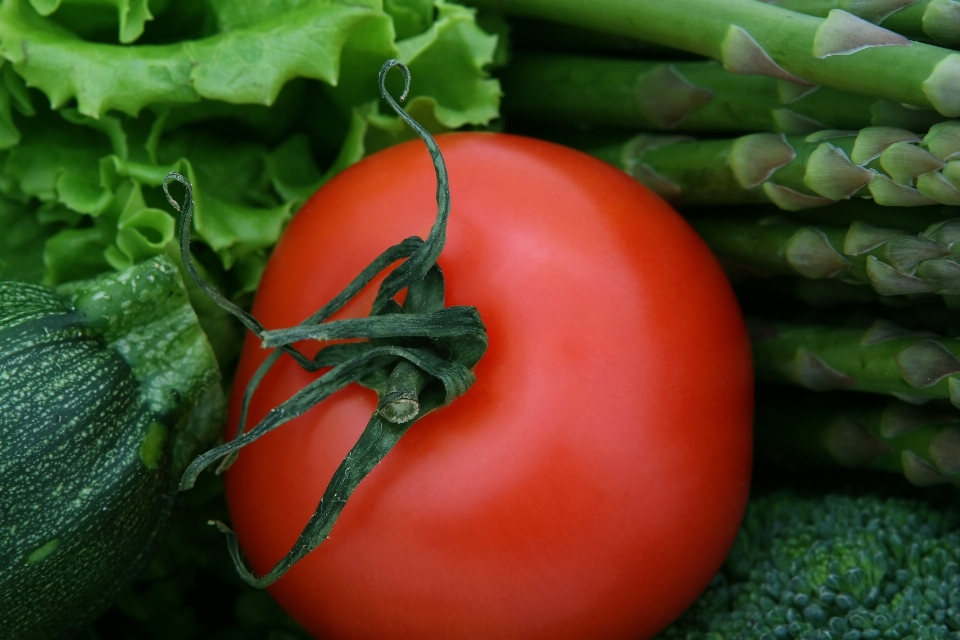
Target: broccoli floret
835,567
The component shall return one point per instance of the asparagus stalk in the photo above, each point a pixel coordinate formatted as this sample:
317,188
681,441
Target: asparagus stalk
921,443
794,298
892,261
543,35
688,96
911,365
935,20
892,166
750,37
846,212
803,301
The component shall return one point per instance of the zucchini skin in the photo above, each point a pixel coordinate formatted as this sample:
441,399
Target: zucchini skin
82,503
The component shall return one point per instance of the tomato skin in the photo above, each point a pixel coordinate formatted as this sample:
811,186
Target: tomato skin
591,482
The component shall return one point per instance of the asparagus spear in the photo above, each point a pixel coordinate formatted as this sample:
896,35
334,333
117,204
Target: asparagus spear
841,50
794,298
543,35
892,166
921,443
846,212
885,358
892,261
688,96
936,20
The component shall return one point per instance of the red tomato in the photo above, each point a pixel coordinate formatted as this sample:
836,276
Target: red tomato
588,485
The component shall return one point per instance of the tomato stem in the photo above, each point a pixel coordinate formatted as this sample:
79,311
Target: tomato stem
418,356
400,401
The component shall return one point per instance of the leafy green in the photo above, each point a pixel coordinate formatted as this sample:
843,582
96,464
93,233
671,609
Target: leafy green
266,101
94,15
189,591
248,64
258,103
880,563
21,243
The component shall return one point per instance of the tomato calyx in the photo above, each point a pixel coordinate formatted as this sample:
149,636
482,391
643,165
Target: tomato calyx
417,356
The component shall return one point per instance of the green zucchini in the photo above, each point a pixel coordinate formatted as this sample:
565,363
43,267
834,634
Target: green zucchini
107,388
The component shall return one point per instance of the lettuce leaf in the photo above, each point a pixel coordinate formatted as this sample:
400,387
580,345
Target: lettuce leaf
273,102
21,242
129,15
249,64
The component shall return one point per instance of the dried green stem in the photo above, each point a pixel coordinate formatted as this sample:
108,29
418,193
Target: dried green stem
417,356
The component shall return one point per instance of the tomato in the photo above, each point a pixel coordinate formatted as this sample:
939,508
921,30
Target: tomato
588,485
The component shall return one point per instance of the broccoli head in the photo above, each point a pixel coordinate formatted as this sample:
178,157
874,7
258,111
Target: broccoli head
836,567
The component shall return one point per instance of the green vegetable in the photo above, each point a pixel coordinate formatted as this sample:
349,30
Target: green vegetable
189,590
258,103
750,37
883,358
802,429
526,33
936,20
817,565
846,212
107,389
892,261
685,96
411,379
892,166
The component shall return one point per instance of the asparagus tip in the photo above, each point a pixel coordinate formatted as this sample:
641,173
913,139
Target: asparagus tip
872,141
884,330
943,139
941,274
887,281
906,252
660,185
904,161
888,193
794,124
925,363
941,21
944,450
741,53
862,237
666,98
831,174
942,87
791,200
851,444
755,157
790,92
920,472
810,254
843,33
810,371
936,187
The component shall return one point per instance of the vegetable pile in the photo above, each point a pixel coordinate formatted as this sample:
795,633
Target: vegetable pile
845,566
817,155
257,103
537,504
110,387
814,145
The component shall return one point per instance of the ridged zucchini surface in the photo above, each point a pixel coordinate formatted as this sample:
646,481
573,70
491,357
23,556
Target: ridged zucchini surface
106,386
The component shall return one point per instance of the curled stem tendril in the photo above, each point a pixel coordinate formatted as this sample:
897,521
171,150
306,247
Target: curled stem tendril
418,356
